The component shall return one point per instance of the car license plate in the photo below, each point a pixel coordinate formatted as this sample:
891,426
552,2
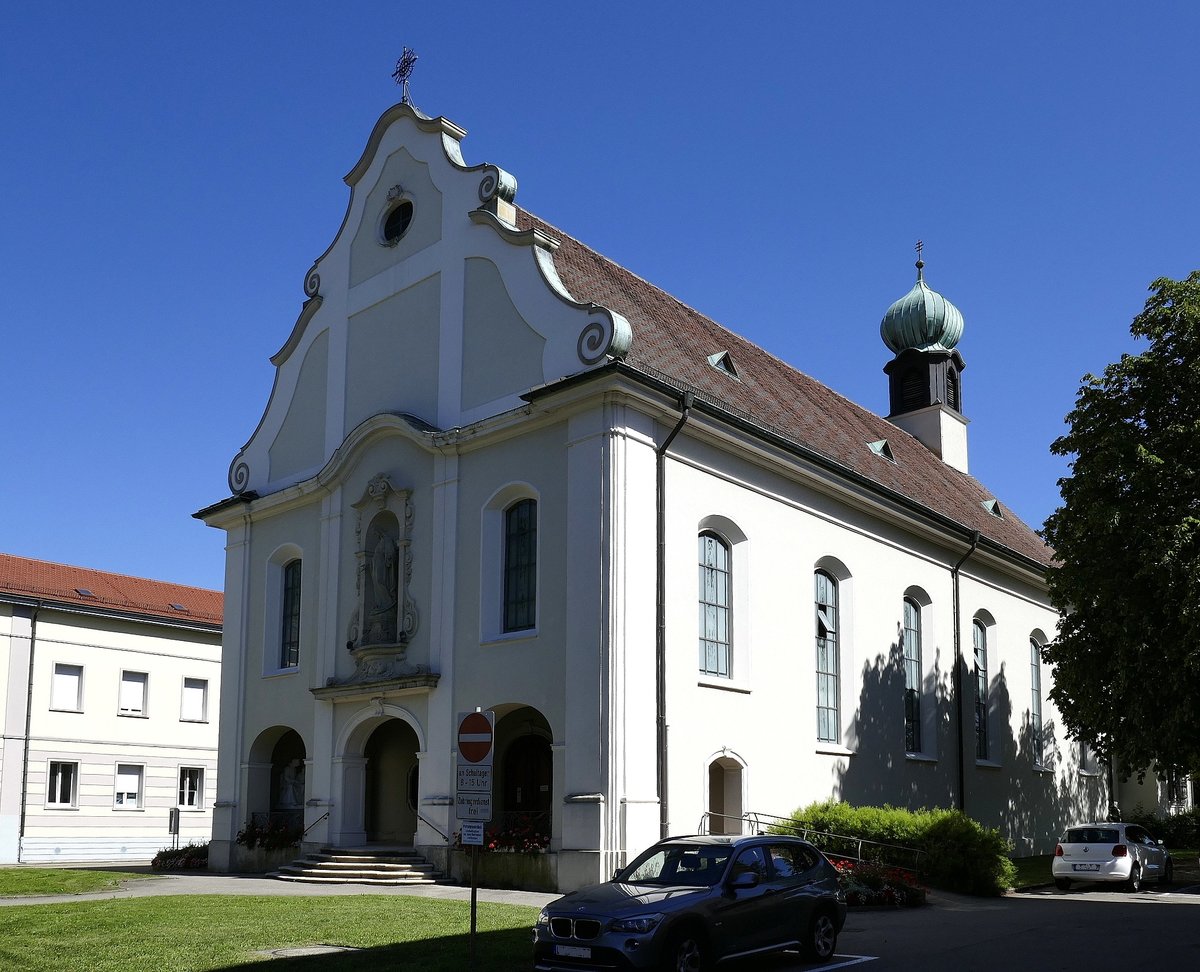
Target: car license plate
1087,867
573,951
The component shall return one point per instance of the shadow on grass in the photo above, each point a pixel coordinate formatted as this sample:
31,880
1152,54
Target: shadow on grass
510,950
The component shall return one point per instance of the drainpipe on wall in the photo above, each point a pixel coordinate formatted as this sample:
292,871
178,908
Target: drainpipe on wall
33,620
958,675
660,638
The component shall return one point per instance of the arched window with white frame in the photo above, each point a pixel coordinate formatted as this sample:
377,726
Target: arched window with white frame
912,675
828,660
715,604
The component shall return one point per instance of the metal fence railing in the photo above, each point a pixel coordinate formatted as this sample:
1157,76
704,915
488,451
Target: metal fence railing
899,856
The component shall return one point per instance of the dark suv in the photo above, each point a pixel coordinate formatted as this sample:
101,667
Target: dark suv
689,902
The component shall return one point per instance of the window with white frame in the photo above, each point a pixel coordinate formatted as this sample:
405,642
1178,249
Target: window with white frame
66,688
289,633
194,706
980,638
191,787
132,695
520,565
912,676
1037,738
716,631
825,599
62,785
128,794
1089,762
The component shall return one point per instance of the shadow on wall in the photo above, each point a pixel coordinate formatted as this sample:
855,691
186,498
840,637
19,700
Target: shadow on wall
1029,803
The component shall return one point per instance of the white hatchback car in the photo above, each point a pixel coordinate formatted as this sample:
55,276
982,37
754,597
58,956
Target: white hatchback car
1117,852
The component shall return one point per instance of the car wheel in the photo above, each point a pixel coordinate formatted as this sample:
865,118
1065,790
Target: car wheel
686,951
1134,884
1168,874
1063,884
820,940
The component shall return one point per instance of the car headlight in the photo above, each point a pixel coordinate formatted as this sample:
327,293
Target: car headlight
543,918
638,925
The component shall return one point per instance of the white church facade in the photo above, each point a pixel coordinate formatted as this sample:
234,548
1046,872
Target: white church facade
497,470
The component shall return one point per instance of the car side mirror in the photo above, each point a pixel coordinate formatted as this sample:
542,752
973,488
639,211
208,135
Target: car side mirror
743,881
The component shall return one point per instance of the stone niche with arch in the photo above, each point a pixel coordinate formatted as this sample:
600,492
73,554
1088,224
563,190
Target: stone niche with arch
385,618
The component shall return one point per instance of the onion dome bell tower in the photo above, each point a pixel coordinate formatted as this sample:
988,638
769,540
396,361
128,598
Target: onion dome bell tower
925,376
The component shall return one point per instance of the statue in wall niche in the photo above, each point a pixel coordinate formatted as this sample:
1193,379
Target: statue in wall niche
291,785
385,615
384,576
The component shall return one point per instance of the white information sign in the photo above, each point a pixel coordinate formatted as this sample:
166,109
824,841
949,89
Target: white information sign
476,779
472,833
473,806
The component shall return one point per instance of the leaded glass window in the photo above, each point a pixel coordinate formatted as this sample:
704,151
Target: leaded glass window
716,632
828,663
289,642
520,565
1035,703
981,690
912,676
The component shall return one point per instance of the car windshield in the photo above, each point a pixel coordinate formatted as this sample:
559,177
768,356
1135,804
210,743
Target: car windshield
1092,835
677,865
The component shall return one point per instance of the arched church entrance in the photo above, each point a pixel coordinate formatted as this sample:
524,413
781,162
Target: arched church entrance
524,774
276,780
725,796
390,804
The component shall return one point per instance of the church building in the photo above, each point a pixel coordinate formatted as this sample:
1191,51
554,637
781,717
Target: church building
497,470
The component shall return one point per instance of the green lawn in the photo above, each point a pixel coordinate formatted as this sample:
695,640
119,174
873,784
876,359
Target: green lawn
19,882
200,933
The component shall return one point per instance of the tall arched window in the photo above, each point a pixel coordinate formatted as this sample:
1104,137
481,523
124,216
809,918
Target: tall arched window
912,676
715,588
981,690
289,638
826,601
1035,703
520,565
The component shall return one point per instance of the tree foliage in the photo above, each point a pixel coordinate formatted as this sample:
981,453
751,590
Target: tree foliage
1127,539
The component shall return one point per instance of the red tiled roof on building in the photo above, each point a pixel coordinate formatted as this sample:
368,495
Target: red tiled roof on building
673,341
102,591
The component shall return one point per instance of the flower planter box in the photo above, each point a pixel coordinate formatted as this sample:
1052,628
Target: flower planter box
536,871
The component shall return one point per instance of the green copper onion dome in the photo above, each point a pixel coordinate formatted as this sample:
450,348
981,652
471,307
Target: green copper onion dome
922,319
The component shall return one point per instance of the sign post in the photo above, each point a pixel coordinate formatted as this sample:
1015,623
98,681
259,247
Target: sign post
473,790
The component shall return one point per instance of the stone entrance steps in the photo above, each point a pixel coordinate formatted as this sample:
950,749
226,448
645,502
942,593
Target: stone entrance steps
390,867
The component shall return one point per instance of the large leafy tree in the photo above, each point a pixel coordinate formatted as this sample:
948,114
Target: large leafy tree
1127,539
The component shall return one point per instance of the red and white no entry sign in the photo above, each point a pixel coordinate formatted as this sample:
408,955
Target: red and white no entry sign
475,737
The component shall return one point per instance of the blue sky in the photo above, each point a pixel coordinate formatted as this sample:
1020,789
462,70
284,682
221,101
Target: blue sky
169,172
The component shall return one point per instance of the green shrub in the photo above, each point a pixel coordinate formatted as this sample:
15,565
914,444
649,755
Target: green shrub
1178,830
191,857
959,854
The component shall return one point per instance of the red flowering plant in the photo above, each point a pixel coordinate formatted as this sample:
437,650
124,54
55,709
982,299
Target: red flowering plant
873,883
519,832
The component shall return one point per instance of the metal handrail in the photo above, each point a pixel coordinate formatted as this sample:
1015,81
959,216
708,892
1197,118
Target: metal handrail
432,826
899,856
313,824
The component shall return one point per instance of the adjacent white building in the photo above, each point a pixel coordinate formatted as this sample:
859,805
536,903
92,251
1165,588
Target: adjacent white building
498,470
109,691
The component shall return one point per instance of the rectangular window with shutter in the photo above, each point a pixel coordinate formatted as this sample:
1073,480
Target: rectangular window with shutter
128,794
194,707
132,701
66,688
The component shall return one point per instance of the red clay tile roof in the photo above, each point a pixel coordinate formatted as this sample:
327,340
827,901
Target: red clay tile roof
673,341
60,584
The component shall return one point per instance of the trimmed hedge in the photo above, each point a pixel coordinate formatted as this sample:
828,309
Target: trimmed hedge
190,857
959,853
